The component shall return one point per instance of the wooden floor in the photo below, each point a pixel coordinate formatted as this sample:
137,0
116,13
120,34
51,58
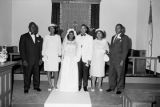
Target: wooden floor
98,99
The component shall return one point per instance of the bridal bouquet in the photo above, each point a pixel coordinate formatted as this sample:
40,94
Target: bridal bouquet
3,55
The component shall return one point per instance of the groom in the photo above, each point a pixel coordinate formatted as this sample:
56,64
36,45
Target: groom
85,42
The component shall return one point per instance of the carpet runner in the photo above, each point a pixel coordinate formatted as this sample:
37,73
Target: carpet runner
68,99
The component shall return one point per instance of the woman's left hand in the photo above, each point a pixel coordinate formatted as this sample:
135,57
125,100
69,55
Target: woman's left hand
40,61
106,52
89,62
121,63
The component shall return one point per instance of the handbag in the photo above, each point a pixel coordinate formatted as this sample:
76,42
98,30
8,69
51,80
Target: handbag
106,58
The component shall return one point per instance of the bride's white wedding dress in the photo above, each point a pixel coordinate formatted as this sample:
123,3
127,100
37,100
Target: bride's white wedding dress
68,78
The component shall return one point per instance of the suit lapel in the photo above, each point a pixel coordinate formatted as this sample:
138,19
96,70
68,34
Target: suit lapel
38,40
117,39
30,38
112,42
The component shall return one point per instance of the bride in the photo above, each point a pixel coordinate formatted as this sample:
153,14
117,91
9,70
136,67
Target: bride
68,78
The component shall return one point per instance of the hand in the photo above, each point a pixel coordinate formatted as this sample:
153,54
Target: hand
76,59
25,63
40,62
89,62
121,63
45,58
59,59
60,56
107,52
86,64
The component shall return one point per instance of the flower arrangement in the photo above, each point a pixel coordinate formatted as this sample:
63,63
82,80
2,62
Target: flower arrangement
3,54
119,38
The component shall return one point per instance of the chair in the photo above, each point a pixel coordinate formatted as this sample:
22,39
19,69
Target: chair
13,55
140,64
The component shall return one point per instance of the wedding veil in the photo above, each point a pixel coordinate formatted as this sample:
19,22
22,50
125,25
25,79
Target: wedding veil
68,31
66,41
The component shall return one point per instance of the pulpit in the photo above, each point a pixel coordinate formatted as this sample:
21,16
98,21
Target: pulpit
6,83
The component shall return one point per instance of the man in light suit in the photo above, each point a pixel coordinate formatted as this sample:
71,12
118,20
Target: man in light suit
118,53
30,47
85,43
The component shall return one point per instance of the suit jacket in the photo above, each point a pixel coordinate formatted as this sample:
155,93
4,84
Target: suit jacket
30,51
85,47
119,49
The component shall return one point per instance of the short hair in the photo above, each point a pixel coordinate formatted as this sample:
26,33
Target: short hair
37,29
103,34
123,30
87,31
55,28
120,25
73,34
30,24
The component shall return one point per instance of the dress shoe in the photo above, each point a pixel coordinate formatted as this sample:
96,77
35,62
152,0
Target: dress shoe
38,89
118,92
85,88
109,90
79,88
26,91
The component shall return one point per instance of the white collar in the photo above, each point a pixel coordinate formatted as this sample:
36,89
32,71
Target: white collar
118,36
37,35
30,33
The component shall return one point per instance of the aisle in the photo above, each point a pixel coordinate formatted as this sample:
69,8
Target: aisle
68,99
43,98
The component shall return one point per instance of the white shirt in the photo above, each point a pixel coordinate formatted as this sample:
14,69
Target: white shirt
33,36
117,36
85,47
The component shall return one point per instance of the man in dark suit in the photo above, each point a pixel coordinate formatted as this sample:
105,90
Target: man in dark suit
118,54
30,47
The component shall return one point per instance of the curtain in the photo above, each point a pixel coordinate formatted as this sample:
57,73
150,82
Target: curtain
55,18
95,15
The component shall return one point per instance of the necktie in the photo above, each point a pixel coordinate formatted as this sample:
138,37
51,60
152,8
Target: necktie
35,38
83,34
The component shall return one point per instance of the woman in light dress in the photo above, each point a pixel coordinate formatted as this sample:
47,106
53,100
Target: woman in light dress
100,48
68,78
51,54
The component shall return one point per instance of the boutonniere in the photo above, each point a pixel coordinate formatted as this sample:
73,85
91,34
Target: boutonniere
119,38
37,35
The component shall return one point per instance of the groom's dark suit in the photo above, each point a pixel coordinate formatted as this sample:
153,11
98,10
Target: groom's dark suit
118,53
30,52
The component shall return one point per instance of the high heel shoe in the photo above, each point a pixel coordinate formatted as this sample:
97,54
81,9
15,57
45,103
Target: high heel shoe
50,89
100,89
92,89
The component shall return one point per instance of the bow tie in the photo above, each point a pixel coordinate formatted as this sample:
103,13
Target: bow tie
83,34
33,34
